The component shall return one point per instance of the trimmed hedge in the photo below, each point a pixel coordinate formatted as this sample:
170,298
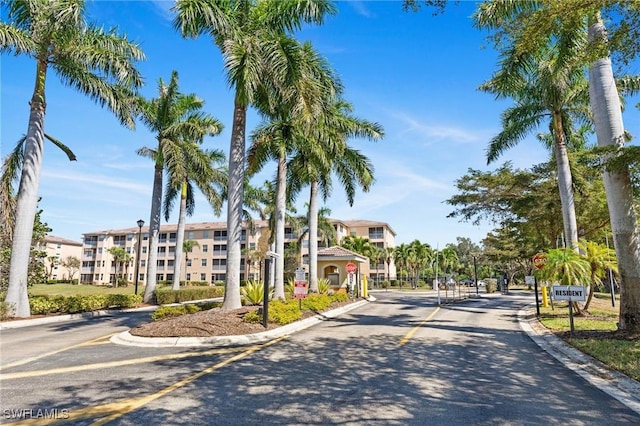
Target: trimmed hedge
168,296
42,305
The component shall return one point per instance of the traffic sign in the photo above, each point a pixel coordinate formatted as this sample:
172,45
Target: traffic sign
351,268
300,289
539,260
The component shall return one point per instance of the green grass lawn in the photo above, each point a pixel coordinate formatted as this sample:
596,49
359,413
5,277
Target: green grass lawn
79,290
608,347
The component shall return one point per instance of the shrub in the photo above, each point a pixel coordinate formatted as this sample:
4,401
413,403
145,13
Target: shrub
289,287
253,316
4,310
324,285
166,296
253,292
491,285
339,297
284,312
41,305
169,312
123,300
316,302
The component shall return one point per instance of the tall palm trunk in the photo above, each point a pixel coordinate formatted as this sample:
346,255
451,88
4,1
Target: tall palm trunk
154,233
281,196
182,217
313,237
232,298
565,183
607,114
27,201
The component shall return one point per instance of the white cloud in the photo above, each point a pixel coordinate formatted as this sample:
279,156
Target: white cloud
102,181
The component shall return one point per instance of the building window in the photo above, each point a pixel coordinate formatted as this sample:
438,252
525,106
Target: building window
190,235
162,250
203,262
160,264
144,249
99,250
219,249
170,263
219,235
143,263
205,248
129,237
188,262
205,234
188,276
203,276
376,233
145,237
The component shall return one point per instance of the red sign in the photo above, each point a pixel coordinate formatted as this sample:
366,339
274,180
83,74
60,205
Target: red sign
300,289
351,268
539,260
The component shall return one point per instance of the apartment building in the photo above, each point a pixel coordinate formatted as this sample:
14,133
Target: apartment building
59,249
207,261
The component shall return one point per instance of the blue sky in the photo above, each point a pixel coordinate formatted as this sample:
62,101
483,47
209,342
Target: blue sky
414,73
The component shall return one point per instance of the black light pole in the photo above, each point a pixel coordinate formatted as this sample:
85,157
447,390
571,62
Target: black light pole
140,225
475,274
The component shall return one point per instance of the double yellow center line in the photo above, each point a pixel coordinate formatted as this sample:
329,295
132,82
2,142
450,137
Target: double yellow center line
408,336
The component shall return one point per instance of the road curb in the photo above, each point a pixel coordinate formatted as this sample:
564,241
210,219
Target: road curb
127,339
617,385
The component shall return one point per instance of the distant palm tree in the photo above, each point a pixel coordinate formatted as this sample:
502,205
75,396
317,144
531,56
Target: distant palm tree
248,34
197,168
388,259
98,63
120,258
175,118
187,247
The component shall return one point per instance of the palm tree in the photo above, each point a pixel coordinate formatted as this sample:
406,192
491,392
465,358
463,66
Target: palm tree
292,114
120,258
530,24
187,247
388,259
326,153
174,118
607,116
601,259
197,167
248,33
401,259
546,84
96,62
53,262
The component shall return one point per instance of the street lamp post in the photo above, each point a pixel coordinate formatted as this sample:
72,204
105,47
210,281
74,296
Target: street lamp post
140,225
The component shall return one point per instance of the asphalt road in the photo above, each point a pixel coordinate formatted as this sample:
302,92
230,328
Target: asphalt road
399,360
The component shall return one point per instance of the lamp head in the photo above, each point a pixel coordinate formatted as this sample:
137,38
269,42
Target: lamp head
140,223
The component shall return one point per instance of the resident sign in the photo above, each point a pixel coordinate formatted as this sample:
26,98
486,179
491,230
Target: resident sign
574,293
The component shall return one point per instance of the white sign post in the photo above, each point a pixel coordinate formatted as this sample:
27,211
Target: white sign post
572,293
